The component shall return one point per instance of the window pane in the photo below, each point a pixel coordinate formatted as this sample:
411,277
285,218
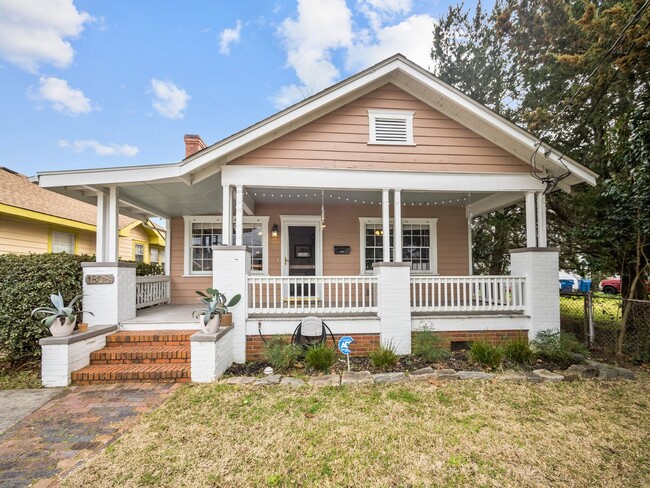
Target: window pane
63,242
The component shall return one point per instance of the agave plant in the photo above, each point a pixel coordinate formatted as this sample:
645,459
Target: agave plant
212,307
59,311
220,297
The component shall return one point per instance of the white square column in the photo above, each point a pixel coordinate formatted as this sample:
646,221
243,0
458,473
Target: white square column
541,220
540,267
226,211
109,292
385,224
531,227
394,300
239,216
231,265
397,227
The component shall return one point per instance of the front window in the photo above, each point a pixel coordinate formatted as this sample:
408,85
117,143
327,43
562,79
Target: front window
63,241
418,244
154,255
205,232
138,253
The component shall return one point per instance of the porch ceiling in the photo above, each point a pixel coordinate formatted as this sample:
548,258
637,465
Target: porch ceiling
346,197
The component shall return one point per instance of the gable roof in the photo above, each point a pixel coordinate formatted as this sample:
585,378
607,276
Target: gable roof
397,70
17,192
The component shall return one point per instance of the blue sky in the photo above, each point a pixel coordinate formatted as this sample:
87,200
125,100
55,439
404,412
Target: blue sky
94,83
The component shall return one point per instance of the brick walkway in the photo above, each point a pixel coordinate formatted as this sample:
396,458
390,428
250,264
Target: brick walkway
49,444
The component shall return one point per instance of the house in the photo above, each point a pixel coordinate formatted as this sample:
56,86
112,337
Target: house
36,220
353,205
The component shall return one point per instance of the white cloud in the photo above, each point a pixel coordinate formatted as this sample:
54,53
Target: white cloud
170,101
36,32
100,149
61,96
323,29
228,37
411,37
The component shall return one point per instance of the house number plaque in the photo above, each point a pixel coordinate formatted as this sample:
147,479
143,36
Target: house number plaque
102,279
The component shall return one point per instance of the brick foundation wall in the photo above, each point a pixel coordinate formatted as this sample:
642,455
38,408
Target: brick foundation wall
490,336
363,344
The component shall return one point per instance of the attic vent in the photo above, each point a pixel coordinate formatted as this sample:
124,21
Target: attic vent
390,127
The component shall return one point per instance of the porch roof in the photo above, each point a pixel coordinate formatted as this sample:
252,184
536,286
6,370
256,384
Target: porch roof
193,184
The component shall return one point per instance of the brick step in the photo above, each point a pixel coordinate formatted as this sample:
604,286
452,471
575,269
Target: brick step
150,338
112,373
141,354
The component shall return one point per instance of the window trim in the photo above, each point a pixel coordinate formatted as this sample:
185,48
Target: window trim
50,238
145,249
433,242
210,219
374,114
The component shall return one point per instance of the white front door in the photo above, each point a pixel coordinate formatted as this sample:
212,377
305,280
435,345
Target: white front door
301,254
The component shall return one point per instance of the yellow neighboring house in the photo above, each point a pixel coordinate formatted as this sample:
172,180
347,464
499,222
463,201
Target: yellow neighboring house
36,220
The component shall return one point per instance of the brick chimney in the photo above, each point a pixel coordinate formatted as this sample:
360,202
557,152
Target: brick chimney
193,144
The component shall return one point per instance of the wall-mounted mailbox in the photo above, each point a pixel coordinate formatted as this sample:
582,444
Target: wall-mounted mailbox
342,249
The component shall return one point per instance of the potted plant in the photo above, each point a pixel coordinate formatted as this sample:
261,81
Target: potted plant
61,319
209,315
226,316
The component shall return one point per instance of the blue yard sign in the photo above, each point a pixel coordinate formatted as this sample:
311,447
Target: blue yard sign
344,344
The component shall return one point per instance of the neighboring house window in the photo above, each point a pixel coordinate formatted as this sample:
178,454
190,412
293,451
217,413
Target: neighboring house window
138,252
154,255
63,241
390,127
204,232
419,244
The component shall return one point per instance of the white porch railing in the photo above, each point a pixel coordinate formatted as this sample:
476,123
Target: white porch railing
312,294
151,290
467,293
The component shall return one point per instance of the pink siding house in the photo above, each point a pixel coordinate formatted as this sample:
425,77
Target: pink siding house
353,205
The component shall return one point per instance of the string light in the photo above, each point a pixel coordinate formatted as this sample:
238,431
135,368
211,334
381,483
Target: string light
452,201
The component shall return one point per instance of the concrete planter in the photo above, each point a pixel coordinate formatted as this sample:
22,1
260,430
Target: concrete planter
212,326
62,328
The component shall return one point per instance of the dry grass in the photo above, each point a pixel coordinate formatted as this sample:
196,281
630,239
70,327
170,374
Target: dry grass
451,434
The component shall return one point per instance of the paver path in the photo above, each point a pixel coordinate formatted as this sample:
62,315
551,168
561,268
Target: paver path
47,445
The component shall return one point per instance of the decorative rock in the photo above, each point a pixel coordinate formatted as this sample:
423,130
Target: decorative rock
240,380
583,370
546,375
274,379
389,377
356,378
422,374
292,382
607,373
474,375
625,374
327,380
533,378
512,376
445,374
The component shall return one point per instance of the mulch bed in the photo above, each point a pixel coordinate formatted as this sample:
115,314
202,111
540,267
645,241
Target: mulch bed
458,361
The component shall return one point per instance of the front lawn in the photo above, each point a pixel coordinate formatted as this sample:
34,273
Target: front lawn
26,375
462,433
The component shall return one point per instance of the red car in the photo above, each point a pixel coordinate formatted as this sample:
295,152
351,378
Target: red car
613,286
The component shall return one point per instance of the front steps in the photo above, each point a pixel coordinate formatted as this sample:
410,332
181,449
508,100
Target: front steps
139,356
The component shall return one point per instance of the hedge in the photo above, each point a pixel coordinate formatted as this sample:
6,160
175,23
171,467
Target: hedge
26,282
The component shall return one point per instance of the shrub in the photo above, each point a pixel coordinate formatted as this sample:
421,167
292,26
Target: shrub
281,354
428,345
146,269
320,357
26,282
384,358
518,351
554,345
485,354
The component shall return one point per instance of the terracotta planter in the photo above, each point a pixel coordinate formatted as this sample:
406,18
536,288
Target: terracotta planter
62,328
213,324
83,327
226,319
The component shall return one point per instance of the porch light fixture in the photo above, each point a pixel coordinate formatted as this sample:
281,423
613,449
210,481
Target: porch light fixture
274,230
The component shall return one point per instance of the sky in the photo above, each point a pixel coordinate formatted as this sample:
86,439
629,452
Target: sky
91,83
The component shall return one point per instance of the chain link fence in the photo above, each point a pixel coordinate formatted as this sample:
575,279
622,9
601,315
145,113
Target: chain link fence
597,319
